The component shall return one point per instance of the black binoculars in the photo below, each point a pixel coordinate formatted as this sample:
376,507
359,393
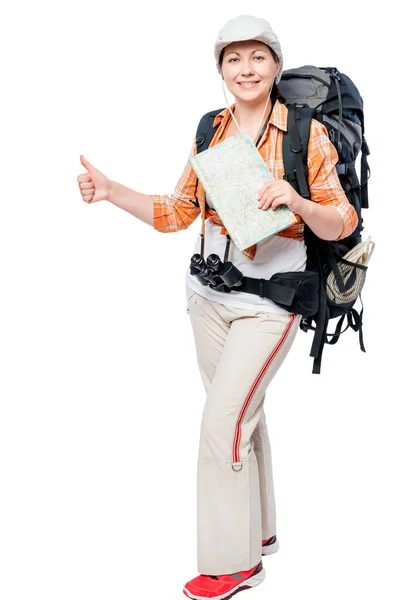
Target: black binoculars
215,273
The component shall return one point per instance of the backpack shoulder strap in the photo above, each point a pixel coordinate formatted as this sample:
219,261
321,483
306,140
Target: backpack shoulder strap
206,130
295,147
295,155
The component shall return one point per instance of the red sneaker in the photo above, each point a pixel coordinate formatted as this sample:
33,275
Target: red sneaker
270,546
223,587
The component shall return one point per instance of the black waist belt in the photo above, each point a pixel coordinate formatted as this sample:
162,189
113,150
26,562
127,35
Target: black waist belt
295,291
267,289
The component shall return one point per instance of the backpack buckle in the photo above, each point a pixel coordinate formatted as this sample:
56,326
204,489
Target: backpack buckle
333,72
298,150
261,288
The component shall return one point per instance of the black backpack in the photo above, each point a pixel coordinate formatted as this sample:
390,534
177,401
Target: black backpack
330,97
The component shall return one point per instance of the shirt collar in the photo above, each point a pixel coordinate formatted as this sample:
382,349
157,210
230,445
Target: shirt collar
278,116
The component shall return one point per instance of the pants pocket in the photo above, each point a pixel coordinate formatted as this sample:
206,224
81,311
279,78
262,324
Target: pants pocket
192,300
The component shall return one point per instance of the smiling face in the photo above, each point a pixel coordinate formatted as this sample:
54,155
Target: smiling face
248,69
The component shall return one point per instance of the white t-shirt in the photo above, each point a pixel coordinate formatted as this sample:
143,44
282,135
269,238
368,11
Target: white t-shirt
275,254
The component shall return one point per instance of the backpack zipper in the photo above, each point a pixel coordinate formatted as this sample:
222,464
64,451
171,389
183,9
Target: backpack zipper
332,131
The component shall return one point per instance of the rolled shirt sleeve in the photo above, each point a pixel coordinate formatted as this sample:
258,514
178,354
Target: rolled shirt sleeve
323,179
179,210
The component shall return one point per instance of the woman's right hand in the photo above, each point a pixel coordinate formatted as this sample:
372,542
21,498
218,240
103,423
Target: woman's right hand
93,185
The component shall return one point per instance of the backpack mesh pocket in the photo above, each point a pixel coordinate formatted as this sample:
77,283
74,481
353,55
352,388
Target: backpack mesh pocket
345,282
352,276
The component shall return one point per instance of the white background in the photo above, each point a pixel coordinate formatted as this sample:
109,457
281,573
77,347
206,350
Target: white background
101,399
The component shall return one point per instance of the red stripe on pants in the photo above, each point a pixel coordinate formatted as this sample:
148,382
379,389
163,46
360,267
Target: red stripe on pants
236,441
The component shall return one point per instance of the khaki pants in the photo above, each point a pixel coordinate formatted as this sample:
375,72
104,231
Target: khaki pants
238,352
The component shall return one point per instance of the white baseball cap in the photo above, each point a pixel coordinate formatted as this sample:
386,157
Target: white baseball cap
245,28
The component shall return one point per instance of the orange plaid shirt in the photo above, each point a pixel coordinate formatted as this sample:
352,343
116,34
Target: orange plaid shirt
172,213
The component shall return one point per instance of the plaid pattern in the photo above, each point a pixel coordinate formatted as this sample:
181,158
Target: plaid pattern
172,213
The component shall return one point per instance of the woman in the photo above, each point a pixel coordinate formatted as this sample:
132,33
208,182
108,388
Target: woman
241,339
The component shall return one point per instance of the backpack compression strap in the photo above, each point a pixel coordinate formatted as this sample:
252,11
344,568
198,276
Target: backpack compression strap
365,173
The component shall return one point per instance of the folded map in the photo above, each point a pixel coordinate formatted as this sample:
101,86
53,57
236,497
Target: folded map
232,173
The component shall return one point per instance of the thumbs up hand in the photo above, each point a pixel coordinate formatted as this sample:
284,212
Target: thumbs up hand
93,185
